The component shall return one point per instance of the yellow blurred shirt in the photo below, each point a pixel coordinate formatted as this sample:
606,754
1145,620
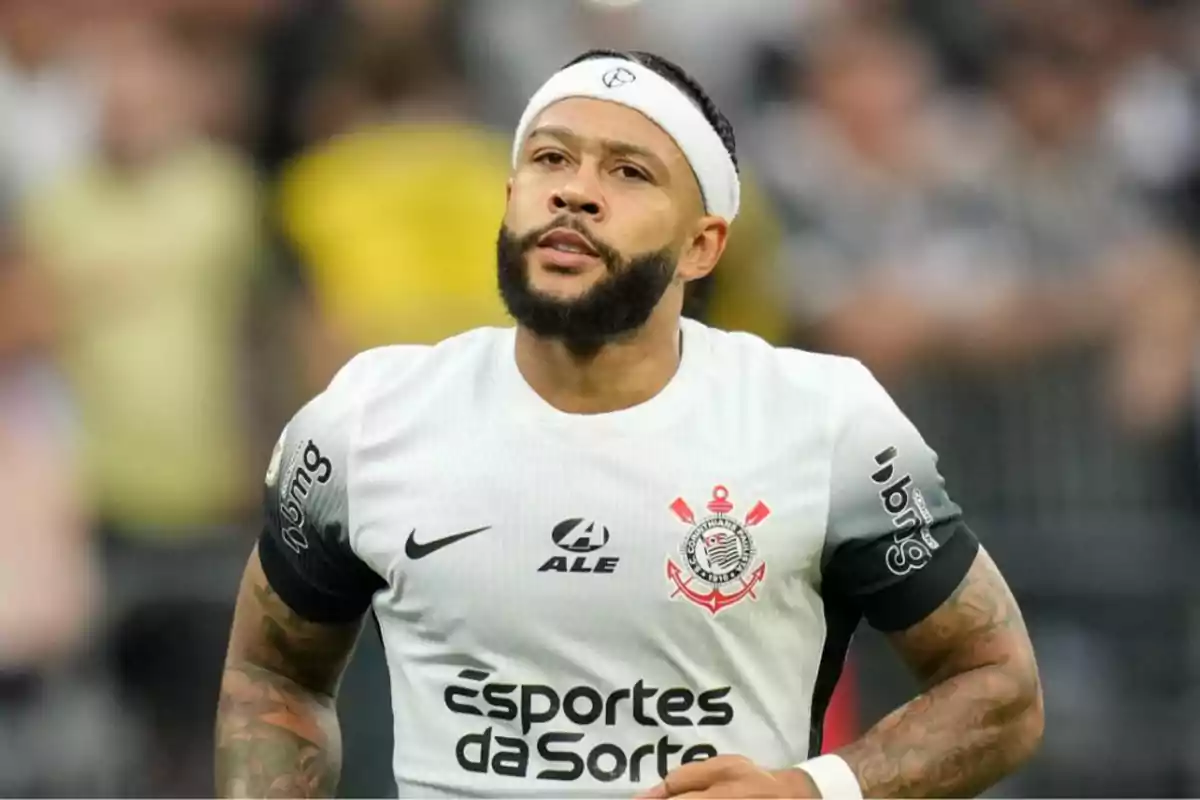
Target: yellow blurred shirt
153,273
396,226
747,294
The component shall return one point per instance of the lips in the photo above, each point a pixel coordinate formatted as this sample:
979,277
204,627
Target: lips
564,240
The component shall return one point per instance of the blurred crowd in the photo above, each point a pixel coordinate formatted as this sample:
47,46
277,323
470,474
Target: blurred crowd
206,206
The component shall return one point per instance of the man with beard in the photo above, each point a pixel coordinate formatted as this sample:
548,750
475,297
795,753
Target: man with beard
612,551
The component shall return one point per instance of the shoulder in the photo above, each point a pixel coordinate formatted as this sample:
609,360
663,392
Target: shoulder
832,404
423,368
829,380
326,425
380,372
309,472
307,479
405,381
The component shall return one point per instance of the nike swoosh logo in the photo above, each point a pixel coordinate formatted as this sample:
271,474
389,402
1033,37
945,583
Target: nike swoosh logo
416,550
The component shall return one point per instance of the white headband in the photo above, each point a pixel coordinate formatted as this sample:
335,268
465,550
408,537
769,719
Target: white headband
631,84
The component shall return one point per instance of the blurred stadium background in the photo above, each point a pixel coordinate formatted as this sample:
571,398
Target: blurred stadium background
207,205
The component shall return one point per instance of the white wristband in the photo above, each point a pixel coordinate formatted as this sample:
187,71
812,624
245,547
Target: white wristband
833,777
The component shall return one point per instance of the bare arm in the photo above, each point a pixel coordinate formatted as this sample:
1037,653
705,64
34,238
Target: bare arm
277,727
980,716
898,553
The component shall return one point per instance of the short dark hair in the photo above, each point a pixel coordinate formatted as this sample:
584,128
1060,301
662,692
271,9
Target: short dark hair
685,83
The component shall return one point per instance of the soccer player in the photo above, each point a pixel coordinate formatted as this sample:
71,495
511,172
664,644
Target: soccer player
613,552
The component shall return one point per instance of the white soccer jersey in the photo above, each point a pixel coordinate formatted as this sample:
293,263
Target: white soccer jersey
573,605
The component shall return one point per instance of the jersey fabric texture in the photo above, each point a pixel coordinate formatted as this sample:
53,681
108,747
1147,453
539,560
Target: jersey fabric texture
573,605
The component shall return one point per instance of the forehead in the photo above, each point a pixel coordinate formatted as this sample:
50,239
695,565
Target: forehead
595,121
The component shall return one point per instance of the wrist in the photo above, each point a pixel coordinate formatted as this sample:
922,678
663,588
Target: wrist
831,777
797,783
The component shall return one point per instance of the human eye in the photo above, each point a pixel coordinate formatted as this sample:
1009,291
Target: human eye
550,158
633,173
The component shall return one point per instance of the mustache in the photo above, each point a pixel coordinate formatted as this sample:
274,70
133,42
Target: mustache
608,254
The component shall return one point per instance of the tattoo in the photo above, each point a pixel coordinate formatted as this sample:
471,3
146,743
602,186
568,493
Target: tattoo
981,714
274,738
311,654
277,728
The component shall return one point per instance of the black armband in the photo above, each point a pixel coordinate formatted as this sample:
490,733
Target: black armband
903,601
302,581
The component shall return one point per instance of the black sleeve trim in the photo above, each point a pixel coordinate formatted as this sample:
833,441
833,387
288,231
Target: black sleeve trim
309,601
911,600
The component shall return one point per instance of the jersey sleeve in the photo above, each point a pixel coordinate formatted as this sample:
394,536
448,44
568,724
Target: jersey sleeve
305,546
896,545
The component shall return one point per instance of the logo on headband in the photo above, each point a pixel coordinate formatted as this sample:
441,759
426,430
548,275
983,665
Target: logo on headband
618,77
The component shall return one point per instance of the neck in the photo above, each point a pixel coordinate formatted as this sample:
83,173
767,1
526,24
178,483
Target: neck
621,375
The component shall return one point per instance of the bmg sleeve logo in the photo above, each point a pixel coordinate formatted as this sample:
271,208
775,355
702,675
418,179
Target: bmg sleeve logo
308,466
912,544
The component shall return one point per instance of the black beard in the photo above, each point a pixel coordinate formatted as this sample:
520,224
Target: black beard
617,305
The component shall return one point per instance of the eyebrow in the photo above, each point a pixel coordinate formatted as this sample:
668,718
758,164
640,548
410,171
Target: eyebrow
614,146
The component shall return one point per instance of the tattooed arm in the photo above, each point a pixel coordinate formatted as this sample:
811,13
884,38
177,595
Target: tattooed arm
980,716
300,608
277,727
899,555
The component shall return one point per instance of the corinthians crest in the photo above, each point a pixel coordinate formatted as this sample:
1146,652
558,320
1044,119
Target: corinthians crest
719,556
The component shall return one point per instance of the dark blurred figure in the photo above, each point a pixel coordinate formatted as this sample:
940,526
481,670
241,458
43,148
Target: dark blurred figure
875,174
1138,54
1003,275
329,66
1090,425
388,60
1067,200
399,182
1152,113
150,249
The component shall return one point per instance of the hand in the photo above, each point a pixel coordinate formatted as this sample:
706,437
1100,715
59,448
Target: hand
732,778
